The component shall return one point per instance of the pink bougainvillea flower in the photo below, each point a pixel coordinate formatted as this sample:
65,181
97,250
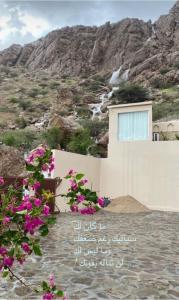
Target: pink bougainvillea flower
74,208
101,201
26,197
8,261
80,198
45,167
88,211
39,152
1,180
25,181
65,297
51,280
52,167
6,220
26,247
31,223
3,251
48,296
28,205
37,202
30,159
71,172
83,181
36,186
46,210
74,185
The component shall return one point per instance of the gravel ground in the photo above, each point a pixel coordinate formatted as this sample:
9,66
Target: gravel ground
107,256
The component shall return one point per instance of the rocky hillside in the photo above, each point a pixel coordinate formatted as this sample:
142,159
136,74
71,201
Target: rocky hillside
67,79
140,46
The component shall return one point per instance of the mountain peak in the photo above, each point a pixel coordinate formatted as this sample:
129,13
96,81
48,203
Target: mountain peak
175,8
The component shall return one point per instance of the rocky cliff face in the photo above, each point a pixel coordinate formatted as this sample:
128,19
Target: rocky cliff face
11,161
141,47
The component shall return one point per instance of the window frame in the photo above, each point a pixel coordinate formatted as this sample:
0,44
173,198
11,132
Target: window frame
135,111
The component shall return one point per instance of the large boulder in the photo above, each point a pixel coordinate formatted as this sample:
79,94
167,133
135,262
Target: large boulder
68,124
11,161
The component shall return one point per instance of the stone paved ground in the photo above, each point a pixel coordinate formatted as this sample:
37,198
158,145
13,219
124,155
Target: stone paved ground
146,266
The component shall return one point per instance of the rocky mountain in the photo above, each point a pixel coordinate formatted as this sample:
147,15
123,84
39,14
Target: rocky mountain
140,46
68,78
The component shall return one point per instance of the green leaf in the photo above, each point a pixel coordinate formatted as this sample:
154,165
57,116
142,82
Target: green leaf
79,176
51,220
37,249
11,252
44,230
22,212
59,293
45,286
5,274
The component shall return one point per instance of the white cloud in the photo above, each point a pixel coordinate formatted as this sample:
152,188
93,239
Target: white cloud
18,25
35,26
5,28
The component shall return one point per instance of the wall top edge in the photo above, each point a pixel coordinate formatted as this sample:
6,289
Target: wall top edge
130,104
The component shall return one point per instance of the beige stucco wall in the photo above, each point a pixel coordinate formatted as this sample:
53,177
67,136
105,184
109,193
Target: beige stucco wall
64,161
113,121
169,126
148,171
167,130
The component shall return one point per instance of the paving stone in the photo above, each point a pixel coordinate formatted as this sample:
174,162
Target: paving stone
149,270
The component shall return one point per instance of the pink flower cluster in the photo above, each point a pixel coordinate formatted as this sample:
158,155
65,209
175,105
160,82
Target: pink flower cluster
35,156
79,195
1,180
51,290
32,223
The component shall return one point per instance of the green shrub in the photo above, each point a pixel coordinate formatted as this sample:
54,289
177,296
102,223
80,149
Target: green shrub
34,92
77,98
17,138
165,70
53,137
54,85
13,99
159,83
25,104
80,142
94,85
6,109
43,84
95,127
3,125
21,122
83,112
131,92
176,64
44,92
99,78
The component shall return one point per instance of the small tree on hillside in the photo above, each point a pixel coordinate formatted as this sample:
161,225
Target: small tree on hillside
80,142
130,93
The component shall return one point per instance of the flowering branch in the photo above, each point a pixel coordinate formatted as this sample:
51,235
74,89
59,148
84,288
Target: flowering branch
24,218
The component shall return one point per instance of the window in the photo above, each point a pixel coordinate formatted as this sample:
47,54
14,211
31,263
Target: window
156,136
133,126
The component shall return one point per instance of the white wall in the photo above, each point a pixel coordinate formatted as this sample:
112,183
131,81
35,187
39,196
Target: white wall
148,171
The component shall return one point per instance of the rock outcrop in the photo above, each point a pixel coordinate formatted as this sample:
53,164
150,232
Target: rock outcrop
141,47
11,161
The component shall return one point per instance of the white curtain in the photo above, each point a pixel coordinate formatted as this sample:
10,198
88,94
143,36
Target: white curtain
133,126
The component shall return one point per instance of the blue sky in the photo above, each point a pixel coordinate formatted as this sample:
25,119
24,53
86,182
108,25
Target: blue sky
25,21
